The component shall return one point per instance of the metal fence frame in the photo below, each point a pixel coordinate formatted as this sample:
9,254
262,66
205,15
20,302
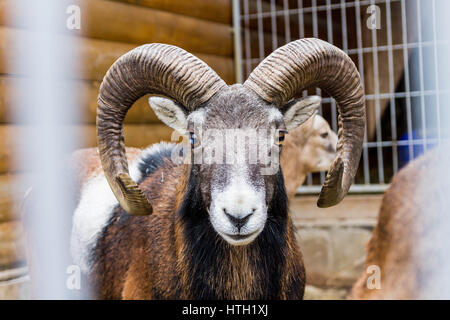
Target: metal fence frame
241,19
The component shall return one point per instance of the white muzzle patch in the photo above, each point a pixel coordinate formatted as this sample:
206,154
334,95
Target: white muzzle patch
238,211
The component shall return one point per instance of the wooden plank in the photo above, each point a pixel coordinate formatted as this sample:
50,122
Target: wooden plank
12,249
96,56
14,273
7,162
217,10
11,195
8,98
354,208
115,21
87,93
15,289
12,191
135,136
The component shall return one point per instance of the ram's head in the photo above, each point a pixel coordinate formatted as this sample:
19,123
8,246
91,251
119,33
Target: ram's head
235,186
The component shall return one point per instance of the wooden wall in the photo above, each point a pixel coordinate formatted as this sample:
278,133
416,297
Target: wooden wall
109,28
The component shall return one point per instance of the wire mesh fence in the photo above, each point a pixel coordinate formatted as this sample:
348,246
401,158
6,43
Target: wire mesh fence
399,52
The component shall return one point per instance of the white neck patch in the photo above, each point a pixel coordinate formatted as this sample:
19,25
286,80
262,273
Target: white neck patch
197,117
92,214
274,115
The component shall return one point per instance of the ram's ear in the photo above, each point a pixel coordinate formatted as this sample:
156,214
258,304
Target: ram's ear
298,111
170,112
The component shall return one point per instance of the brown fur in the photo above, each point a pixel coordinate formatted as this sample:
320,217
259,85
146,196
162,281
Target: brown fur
148,258
294,171
409,242
85,163
306,150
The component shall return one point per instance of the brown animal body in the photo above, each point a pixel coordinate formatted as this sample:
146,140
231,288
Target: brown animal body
410,242
179,259
164,227
309,148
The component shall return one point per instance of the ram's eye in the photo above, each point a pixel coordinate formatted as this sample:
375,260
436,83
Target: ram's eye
279,139
193,140
324,135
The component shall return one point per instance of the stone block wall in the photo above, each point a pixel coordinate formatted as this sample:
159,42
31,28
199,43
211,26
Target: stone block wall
333,242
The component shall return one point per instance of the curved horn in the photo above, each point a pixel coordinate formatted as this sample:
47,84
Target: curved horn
155,69
312,62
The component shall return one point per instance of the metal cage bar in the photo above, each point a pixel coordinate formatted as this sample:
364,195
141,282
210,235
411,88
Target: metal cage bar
436,71
400,96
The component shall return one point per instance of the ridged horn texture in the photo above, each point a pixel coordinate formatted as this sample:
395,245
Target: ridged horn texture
312,62
155,69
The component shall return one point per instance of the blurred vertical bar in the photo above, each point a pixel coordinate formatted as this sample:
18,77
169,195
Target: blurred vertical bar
248,55
361,71
436,72
287,26
314,19
391,88
46,105
301,31
237,41
274,25
260,30
377,104
422,86
330,40
301,22
436,58
407,81
344,26
316,35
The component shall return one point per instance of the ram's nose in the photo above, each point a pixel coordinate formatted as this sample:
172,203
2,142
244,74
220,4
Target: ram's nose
238,220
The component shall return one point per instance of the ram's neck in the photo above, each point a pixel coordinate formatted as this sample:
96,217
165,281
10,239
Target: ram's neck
213,269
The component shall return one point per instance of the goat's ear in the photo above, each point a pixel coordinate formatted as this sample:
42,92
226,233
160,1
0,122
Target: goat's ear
171,113
297,111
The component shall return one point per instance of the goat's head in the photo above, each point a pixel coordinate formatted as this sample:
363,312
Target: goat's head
314,143
235,142
236,191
